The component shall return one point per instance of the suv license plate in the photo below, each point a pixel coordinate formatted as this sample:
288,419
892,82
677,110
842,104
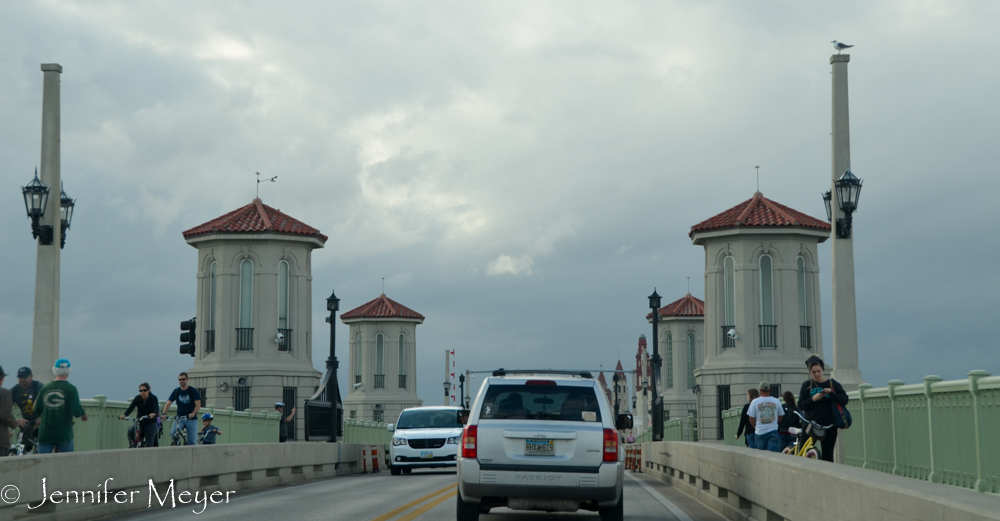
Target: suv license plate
539,448
426,455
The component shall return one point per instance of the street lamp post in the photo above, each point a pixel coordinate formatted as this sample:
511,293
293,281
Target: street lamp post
332,387
654,304
614,380
461,389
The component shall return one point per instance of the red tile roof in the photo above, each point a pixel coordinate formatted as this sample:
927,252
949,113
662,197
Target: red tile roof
255,217
382,307
759,211
686,307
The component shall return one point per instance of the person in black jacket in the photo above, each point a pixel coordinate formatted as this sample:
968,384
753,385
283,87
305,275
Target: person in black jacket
816,399
751,436
790,419
146,407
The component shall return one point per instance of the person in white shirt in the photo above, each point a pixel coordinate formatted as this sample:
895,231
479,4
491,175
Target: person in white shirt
765,413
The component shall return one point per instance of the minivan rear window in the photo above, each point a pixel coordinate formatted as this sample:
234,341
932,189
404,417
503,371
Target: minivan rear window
533,402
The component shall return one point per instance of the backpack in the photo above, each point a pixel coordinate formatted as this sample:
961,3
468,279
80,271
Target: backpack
841,416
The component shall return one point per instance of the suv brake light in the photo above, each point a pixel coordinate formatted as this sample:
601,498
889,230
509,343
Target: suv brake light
469,442
540,382
610,445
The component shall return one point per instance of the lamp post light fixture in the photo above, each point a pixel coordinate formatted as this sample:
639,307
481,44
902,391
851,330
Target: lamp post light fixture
848,190
614,379
66,207
645,386
447,387
461,389
36,198
634,398
654,304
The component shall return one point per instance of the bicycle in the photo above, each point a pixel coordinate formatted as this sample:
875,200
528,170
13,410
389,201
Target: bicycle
136,440
26,444
807,439
178,434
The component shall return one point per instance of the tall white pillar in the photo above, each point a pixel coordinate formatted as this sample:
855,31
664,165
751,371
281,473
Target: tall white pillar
845,316
45,334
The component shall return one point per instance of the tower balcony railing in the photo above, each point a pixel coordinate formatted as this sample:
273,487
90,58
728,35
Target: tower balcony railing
805,338
380,381
402,381
728,341
244,339
768,336
210,341
285,342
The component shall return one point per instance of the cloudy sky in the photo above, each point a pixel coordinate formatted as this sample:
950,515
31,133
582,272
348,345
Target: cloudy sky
522,173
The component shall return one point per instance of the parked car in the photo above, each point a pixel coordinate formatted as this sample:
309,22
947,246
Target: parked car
542,440
424,438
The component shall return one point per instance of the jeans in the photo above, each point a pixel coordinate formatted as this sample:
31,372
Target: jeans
751,440
770,441
46,448
191,426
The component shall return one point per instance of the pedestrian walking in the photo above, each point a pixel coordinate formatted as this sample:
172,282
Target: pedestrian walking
60,403
790,419
146,407
188,404
816,399
765,413
750,438
6,416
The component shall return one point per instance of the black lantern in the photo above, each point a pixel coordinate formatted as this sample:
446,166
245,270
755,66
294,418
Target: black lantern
654,302
36,198
645,386
66,206
447,387
634,398
332,303
848,192
826,202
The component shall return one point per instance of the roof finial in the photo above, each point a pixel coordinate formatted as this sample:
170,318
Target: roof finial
689,285
383,285
259,181
758,177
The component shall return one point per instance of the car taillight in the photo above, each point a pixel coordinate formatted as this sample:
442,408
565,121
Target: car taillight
610,445
469,442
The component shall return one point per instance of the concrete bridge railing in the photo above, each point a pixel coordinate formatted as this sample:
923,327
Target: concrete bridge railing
185,479
744,484
673,430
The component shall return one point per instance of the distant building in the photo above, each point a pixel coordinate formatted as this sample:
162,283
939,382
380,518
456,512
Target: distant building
254,309
681,337
762,303
382,365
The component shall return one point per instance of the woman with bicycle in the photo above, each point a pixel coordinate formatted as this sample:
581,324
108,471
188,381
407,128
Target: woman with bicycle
146,407
816,399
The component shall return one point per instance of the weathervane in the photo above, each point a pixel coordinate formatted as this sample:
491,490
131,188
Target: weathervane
259,181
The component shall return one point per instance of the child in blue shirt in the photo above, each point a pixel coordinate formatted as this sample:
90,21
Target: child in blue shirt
208,430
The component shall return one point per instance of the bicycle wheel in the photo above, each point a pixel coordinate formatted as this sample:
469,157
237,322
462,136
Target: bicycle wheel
789,450
812,453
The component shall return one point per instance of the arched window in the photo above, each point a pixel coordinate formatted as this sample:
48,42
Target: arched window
670,360
357,359
402,361
729,268
691,360
283,295
210,329
804,334
768,336
379,361
246,293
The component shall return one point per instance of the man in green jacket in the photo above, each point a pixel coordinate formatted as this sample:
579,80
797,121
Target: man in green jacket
60,403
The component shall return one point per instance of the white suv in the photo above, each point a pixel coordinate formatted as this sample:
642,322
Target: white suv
541,440
424,437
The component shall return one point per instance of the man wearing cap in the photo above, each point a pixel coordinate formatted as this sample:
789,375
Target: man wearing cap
765,412
284,422
60,403
6,416
25,393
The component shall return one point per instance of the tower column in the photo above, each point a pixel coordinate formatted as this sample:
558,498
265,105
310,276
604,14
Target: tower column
846,369
45,331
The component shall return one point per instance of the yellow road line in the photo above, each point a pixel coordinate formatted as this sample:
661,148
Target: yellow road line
412,504
428,506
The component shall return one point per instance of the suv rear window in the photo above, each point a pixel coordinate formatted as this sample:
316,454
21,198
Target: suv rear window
534,402
429,420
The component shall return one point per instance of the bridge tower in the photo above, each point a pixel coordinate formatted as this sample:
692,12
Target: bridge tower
382,365
682,338
254,309
762,305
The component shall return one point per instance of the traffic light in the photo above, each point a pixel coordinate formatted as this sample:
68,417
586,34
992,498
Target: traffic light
188,327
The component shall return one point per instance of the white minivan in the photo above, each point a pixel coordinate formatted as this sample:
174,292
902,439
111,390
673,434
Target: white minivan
541,440
424,438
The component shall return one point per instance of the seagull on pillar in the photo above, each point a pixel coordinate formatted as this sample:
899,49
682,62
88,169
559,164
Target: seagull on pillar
840,46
